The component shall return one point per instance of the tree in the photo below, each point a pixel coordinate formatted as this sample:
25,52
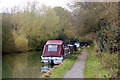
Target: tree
8,44
36,25
98,18
65,27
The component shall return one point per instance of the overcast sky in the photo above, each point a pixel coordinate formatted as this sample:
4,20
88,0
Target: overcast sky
4,4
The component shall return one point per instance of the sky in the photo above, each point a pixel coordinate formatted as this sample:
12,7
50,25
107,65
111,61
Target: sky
4,4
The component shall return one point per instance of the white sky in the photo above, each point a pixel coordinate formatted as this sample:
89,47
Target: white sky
4,4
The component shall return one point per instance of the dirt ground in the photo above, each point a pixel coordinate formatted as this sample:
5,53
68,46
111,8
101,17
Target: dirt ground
77,70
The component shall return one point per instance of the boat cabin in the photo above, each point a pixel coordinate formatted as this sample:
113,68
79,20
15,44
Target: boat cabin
53,52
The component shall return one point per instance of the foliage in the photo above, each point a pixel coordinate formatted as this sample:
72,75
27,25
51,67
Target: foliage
8,44
109,62
65,32
101,65
36,27
93,68
21,43
100,20
108,38
31,28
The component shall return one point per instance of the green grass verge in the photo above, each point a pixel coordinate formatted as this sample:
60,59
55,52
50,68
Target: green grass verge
93,68
67,64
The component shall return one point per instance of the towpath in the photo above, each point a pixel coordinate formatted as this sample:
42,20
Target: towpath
77,70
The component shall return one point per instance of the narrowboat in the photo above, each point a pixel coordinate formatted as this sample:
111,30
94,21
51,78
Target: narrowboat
53,52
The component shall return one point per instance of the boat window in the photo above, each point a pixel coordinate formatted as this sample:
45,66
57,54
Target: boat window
52,47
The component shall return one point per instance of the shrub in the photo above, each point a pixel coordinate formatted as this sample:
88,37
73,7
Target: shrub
108,61
21,43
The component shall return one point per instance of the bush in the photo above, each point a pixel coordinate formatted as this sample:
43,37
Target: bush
93,68
21,43
108,62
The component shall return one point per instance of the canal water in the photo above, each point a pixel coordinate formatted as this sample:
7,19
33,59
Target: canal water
23,65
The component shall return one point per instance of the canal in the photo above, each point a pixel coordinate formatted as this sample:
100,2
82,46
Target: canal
23,65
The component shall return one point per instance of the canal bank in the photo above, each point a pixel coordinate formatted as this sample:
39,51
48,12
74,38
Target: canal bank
60,70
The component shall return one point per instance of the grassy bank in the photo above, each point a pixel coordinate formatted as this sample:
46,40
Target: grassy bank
100,65
60,70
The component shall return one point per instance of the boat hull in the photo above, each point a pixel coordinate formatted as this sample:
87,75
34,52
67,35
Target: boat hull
49,60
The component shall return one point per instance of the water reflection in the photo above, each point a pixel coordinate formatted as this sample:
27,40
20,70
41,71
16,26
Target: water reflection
23,65
46,68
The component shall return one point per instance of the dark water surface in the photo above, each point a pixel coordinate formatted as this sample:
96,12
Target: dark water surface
23,65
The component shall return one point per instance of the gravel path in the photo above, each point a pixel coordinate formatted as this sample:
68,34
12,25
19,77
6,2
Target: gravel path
77,70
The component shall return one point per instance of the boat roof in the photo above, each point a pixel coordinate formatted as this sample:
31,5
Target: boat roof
58,42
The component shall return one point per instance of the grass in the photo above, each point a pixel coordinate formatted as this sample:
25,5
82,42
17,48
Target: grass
63,68
93,68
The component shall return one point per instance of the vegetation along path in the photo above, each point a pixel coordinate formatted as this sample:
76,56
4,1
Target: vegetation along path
77,71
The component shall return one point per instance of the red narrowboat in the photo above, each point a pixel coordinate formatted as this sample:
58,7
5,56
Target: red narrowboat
53,52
